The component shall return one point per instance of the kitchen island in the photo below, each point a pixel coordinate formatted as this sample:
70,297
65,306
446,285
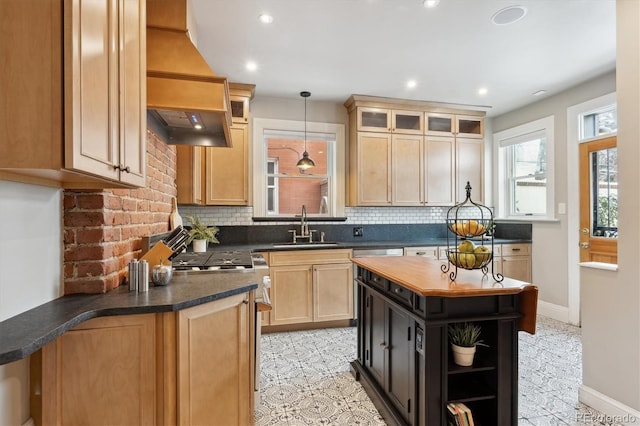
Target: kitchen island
405,306
176,354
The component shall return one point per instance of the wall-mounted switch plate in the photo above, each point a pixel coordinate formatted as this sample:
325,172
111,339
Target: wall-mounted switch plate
358,231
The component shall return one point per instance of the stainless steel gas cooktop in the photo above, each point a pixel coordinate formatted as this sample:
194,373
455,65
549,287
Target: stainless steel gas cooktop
215,260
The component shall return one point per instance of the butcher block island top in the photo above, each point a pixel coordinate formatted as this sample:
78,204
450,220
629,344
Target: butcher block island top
424,276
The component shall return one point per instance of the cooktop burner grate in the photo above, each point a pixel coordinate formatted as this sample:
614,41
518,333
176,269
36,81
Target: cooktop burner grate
227,260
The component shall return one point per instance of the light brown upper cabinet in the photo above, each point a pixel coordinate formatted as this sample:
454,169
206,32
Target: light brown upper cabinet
189,174
370,169
407,168
76,91
219,175
468,126
469,168
227,171
386,120
439,170
398,161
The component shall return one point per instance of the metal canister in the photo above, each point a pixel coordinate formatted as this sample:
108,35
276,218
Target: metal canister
143,276
133,275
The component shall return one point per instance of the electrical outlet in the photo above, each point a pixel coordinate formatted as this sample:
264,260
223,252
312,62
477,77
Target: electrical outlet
358,231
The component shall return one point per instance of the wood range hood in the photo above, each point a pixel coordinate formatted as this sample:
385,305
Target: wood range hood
187,99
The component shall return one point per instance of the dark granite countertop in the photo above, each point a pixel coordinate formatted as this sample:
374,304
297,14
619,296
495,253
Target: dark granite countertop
27,332
428,242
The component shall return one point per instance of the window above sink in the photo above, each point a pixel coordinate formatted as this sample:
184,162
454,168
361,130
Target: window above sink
280,188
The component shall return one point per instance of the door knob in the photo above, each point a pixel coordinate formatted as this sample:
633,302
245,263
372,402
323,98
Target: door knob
584,245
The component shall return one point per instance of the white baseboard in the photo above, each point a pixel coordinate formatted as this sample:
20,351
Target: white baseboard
557,312
613,411
29,422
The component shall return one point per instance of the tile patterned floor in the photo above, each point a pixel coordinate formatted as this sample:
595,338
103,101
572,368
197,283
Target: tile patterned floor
305,379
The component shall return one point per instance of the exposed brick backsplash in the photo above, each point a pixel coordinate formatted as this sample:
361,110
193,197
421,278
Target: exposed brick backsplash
103,229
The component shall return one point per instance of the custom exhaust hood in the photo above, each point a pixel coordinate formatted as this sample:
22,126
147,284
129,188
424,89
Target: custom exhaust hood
184,96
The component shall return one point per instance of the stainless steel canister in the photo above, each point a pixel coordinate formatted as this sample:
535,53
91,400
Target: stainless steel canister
143,276
133,275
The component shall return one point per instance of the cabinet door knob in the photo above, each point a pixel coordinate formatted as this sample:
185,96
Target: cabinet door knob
245,301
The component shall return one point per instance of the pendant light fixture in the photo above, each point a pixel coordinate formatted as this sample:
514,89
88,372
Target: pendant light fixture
305,162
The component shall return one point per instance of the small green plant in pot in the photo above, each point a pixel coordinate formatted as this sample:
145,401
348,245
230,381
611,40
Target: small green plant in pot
201,234
464,338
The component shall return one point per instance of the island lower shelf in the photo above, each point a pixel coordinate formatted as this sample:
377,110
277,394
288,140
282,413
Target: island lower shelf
404,360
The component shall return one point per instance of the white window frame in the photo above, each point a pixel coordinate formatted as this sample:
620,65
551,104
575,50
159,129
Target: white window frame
574,139
336,164
597,110
275,186
500,139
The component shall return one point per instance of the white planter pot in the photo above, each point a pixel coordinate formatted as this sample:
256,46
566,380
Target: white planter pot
463,356
199,246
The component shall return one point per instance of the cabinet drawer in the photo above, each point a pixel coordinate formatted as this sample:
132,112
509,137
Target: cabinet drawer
377,281
515,249
428,252
401,294
308,257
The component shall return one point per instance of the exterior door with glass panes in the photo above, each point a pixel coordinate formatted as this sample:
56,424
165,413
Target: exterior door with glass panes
599,201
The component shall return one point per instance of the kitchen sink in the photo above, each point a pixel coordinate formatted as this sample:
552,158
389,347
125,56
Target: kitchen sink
304,245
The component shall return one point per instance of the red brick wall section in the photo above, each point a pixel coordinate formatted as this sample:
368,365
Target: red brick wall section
103,229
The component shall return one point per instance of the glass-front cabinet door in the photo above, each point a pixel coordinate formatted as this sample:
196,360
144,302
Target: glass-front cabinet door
239,109
469,126
374,119
407,122
439,124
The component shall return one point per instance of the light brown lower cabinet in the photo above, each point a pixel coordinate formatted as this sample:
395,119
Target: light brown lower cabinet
513,261
310,286
100,373
214,372
190,367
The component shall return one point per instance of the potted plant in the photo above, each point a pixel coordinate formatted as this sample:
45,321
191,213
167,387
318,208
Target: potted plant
464,338
201,234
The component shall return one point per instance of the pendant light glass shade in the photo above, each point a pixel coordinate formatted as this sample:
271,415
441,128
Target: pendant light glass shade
305,162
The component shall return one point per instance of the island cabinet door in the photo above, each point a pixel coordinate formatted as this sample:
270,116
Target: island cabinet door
374,336
400,356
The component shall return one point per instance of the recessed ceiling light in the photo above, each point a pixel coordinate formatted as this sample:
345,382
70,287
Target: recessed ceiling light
251,66
483,91
539,92
411,84
430,3
265,18
509,15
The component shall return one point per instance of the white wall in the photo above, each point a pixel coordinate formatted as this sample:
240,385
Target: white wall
30,274
611,300
550,248
293,109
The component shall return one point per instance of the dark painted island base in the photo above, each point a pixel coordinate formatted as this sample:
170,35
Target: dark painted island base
405,364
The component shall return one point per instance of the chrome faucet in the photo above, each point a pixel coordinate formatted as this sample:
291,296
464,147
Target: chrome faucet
304,228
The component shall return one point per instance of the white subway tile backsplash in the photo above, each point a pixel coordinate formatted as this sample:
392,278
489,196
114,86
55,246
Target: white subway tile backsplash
237,216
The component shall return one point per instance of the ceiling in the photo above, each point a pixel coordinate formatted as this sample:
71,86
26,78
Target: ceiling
336,48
